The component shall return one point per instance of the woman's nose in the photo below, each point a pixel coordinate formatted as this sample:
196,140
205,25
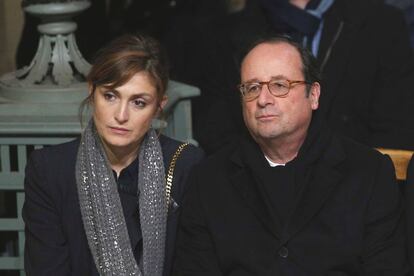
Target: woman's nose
122,114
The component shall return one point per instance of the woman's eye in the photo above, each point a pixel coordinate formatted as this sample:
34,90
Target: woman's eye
139,103
109,96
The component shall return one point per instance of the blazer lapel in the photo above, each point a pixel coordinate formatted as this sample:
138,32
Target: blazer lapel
318,182
247,188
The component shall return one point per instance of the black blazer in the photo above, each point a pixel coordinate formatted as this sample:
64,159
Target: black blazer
346,218
56,243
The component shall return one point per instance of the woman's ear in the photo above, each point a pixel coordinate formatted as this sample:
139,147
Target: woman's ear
91,87
91,91
162,104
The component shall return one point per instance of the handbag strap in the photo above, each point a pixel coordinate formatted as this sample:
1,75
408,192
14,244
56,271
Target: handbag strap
171,168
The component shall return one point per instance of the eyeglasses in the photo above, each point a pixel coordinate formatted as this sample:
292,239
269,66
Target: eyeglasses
278,88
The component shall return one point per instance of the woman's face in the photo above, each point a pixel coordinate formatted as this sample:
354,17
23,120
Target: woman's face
123,115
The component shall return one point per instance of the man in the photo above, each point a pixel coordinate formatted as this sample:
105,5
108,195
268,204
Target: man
291,198
365,56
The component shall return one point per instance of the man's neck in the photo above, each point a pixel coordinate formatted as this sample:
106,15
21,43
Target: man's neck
301,4
282,150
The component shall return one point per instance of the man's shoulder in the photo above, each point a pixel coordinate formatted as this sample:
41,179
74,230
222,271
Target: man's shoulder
221,161
353,147
369,15
359,155
366,8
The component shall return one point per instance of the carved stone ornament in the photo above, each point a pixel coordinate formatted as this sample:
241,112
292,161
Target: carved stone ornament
57,72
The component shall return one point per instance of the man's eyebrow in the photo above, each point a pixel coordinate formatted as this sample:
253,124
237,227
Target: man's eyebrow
252,80
276,77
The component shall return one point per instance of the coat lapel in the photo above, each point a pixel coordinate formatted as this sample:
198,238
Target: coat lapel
317,175
248,189
318,182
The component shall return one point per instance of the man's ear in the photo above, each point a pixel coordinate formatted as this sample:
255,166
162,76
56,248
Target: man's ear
314,94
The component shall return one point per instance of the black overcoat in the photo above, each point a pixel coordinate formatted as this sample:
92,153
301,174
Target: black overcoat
346,219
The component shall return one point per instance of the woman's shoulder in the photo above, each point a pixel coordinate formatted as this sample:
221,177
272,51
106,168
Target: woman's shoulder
56,154
190,153
185,159
51,169
170,146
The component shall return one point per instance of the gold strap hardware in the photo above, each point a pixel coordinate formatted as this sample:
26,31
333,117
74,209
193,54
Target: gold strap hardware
171,168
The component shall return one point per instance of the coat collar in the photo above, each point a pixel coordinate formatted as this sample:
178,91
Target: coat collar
248,189
318,172
318,180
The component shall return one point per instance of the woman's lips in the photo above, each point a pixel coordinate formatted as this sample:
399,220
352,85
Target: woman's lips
119,130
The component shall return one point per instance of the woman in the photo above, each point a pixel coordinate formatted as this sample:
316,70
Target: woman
100,205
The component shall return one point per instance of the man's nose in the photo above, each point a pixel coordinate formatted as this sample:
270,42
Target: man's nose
265,97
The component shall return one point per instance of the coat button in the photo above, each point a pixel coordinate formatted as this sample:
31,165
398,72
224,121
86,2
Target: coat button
283,252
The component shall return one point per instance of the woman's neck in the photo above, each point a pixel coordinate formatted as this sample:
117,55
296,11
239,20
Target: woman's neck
120,158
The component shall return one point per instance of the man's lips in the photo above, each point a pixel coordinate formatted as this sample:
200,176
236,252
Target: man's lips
266,117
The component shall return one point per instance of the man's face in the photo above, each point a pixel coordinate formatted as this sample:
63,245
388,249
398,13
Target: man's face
270,118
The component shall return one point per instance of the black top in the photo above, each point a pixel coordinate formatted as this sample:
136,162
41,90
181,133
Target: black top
128,179
128,192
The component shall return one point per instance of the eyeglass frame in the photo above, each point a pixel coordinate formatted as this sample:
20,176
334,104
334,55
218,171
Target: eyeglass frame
292,83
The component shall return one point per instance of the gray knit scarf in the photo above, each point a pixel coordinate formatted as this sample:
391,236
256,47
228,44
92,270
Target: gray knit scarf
101,209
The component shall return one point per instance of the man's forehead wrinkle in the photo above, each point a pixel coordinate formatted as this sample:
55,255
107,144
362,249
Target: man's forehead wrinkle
275,77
